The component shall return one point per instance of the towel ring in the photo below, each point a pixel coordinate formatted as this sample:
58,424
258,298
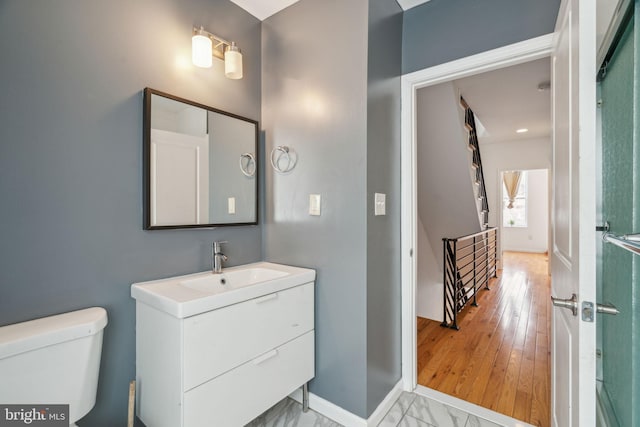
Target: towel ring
246,169
282,151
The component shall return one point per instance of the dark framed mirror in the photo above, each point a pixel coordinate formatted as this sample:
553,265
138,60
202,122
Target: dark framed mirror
200,165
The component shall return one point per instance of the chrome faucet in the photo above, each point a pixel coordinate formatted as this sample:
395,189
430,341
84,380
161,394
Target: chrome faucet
217,257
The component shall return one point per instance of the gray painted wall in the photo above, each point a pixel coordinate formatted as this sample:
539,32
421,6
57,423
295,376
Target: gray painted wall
383,176
315,101
443,30
71,159
342,118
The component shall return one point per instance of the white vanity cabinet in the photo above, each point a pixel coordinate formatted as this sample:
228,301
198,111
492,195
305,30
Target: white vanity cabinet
226,366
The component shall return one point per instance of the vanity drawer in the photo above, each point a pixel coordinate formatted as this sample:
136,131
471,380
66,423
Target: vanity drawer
218,341
235,398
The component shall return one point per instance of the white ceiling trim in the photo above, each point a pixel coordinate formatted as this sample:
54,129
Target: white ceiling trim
408,4
262,9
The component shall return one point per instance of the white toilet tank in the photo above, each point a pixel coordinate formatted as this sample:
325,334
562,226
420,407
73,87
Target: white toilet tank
53,360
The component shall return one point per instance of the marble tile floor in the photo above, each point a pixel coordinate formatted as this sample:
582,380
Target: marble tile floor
410,410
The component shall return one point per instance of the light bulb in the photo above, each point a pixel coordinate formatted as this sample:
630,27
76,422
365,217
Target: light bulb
233,62
201,50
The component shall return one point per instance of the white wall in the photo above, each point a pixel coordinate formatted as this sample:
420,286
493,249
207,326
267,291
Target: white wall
533,237
446,200
511,155
429,287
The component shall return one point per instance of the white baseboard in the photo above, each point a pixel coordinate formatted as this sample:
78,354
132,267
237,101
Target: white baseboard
330,410
479,411
346,418
525,249
385,405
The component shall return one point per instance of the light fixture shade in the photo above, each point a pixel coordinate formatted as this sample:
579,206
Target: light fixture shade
233,62
201,50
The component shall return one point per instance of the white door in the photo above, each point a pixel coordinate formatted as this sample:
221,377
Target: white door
179,178
573,340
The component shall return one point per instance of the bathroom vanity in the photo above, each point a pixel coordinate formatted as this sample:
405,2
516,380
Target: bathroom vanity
220,349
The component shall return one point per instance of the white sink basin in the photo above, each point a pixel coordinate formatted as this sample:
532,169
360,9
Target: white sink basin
232,279
184,296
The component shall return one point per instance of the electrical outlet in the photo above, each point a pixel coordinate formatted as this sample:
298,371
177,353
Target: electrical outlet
231,205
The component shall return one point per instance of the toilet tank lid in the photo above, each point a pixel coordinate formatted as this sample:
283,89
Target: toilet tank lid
33,334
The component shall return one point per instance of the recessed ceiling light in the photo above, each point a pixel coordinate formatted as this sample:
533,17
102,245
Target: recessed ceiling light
523,130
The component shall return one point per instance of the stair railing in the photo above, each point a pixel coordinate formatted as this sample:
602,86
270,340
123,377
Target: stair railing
469,263
476,162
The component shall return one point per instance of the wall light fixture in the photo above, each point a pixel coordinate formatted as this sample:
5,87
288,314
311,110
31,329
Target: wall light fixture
204,46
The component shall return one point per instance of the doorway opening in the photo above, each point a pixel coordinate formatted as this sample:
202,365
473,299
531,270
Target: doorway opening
414,372
503,332
525,227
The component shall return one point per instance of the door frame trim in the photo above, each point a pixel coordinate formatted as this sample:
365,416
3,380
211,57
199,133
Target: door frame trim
514,54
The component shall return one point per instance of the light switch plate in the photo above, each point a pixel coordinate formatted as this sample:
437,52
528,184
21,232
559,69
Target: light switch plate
231,205
314,204
380,201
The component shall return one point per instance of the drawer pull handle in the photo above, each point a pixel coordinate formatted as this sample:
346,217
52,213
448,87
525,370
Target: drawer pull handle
266,298
265,357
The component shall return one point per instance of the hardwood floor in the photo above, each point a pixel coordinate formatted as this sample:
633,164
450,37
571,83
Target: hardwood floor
500,357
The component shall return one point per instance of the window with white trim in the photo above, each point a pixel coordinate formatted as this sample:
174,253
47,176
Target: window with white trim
516,216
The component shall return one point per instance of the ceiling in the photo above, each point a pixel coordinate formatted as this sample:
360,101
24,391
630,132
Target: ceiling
508,99
262,9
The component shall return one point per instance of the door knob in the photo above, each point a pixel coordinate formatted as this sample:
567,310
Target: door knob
571,304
